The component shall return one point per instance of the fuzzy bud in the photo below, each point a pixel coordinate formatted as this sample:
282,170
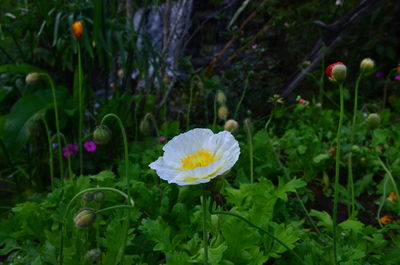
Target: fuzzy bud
77,29
223,112
367,65
221,98
102,135
93,255
32,78
231,125
336,72
248,126
88,197
145,127
85,218
373,120
98,196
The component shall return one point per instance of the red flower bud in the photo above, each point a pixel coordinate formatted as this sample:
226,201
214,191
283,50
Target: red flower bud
336,72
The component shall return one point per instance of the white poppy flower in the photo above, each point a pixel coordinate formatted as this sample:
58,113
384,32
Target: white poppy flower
197,156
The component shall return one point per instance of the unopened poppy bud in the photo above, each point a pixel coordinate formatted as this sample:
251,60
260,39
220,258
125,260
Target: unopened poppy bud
88,197
200,84
85,218
101,135
336,72
231,125
373,120
367,65
93,255
221,98
32,78
98,196
248,126
77,29
223,112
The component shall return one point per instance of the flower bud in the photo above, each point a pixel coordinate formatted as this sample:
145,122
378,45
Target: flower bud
223,112
93,255
336,72
373,120
98,196
221,98
77,29
231,125
367,65
85,218
32,78
101,135
88,197
248,126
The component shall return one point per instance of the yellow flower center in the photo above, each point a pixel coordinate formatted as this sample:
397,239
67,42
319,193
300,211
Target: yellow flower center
201,158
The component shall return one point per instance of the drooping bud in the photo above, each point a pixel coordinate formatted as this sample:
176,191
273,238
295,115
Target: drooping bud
223,112
85,218
373,120
248,126
98,196
102,134
367,65
231,125
221,98
88,197
32,78
93,255
77,29
336,72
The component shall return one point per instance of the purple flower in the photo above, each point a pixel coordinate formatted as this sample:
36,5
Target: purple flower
162,139
397,77
68,151
379,74
90,146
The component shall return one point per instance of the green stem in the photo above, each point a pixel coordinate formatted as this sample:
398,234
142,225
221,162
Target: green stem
352,207
190,100
246,84
68,157
205,212
262,231
215,113
153,121
250,141
337,169
80,103
390,175
57,122
126,224
114,207
46,126
69,206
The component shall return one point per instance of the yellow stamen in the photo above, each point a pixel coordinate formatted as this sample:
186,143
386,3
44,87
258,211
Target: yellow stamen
201,158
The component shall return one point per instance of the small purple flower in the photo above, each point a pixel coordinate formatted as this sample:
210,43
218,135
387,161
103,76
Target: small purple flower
379,74
162,139
90,146
397,77
68,151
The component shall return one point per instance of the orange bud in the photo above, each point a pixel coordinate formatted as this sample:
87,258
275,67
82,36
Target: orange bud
386,219
392,197
77,29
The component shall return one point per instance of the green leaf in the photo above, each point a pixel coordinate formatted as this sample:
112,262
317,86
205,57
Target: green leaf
291,186
325,219
26,111
19,68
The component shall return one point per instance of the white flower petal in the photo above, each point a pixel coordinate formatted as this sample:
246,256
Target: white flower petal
223,147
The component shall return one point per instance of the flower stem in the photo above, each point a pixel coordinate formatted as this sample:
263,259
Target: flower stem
57,123
61,258
80,103
190,101
215,113
351,207
126,223
337,169
46,126
114,207
250,141
205,212
262,231
246,84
